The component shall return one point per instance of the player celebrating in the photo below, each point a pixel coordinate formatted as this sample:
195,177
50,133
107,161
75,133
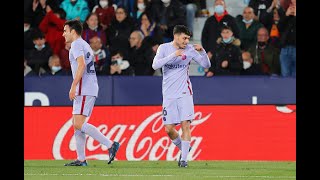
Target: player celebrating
83,92
174,58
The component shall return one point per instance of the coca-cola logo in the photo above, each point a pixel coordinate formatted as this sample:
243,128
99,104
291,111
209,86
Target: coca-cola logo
144,141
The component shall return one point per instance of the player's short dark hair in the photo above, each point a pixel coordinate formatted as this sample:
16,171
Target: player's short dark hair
178,29
75,25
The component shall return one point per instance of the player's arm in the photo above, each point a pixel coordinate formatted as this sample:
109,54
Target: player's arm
77,78
159,60
201,56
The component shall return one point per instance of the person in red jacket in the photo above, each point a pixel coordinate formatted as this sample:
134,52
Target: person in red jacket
52,26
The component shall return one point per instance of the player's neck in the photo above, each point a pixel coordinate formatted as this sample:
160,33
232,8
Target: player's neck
175,45
76,37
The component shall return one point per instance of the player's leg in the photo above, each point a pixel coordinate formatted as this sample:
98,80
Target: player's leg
170,118
173,134
186,113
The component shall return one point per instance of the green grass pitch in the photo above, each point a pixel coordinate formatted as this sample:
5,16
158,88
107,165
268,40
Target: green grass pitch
98,169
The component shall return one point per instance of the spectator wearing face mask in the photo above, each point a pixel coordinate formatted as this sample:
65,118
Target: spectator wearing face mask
140,7
212,27
55,68
249,68
92,28
118,65
226,59
105,12
264,54
38,57
75,9
248,28
101,54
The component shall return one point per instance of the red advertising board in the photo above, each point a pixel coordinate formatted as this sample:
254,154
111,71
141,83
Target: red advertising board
219,132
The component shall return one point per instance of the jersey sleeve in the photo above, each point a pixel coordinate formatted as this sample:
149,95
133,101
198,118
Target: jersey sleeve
159,60
201,58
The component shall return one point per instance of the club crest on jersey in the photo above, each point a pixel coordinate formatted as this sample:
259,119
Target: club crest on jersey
184,57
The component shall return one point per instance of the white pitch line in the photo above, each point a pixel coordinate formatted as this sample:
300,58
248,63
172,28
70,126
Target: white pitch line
117,175
160,175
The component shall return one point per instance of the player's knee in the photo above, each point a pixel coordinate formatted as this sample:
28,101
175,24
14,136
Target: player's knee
77,125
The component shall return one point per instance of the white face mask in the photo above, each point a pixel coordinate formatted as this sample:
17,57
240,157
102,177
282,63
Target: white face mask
166,1
119,61
26,28
246,64
56,68
103,4
141,6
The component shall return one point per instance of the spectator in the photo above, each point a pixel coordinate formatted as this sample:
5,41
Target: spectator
260,9
168,13
92,28
38,57
249,68
149,27
248,28
38,12
141,54
226,60
272,24
191,9
28,33
118,65
211,30
287,27
101,54
105,12
264,54
140,6
52,26
55,68
154,44
64,57
119,32
75,9
27,70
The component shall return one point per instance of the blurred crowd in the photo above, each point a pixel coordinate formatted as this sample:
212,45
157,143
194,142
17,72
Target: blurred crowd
125,35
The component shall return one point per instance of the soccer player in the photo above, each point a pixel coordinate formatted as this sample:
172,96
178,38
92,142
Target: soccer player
83,92
174,58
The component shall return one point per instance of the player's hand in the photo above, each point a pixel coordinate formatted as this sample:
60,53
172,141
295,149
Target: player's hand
224,64
198,47
179,52
210,74
72,93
